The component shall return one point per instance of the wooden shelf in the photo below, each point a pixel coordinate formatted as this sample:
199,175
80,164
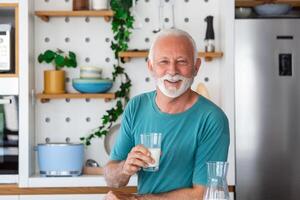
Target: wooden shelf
46,97
8,75
247,3
143,54
45,15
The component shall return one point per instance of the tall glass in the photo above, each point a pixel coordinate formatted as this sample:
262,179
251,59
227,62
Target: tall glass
217,188
152,141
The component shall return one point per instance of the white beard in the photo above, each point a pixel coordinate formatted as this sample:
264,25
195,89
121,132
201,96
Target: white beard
173,92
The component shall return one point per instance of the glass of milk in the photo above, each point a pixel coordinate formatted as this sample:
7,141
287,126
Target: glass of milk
152,141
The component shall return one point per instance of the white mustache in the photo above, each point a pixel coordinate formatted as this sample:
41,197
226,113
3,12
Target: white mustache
171,78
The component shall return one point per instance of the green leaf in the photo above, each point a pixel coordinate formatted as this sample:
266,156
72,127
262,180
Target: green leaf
72,55
59,61
49,56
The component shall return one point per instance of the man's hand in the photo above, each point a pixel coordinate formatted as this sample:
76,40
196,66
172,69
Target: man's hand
138,157
115,195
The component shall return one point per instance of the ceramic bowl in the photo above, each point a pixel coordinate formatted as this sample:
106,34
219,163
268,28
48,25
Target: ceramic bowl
92,85
243,12
272,9
90,72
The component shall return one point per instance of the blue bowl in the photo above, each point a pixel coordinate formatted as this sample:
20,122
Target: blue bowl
92,85
272,9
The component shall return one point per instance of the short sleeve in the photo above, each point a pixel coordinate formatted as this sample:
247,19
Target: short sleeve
213,144
124,142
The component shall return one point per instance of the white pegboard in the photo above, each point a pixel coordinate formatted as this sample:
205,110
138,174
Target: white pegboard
90,39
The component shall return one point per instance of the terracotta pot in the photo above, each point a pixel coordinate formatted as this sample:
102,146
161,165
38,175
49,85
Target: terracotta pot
54,82
80,4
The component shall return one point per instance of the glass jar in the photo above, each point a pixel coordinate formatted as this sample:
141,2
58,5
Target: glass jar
217,188
80,4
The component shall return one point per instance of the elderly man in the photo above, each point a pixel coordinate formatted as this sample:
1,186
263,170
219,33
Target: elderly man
194,130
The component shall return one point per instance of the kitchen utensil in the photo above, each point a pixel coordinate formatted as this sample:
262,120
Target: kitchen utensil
217,188
160,17
111,137
60,159
92,85
210,35
272,9
91,163
90,72
202,90
137,19
243,12
172,2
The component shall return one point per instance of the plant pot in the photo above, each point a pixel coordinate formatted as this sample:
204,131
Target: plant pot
54,82
99,4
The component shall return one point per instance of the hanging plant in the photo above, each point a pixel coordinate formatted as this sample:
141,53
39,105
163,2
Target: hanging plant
122,24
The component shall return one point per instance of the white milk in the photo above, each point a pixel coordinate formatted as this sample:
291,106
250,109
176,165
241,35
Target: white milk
155,154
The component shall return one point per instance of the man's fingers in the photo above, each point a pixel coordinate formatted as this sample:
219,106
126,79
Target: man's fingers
141,149
138,162
142,157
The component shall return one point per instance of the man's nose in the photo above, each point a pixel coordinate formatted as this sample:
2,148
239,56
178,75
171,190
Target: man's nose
172,69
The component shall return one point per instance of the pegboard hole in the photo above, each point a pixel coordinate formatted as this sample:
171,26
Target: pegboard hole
87,100
67,19
147,19
147,1
166,19
47,39
87,59
107,60
147,40
147,79
46,1
186,19
87,19
68,100
88,119
206,79
47,119
87,39
107,40
67,79
68,119
186,1
66,1
67,39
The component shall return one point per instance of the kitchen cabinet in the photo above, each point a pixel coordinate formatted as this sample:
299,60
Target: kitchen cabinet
62,197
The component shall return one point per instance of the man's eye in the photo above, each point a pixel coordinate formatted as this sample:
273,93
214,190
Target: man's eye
182,62
163,62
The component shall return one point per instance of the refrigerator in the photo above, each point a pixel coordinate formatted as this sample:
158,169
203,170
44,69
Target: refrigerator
267,109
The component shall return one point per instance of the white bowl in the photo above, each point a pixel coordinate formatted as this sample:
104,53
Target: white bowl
90,72
272,9
243,12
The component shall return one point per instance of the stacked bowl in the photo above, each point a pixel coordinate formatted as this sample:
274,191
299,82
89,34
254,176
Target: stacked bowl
91,81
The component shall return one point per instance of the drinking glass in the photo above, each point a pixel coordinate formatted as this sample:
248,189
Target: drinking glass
152,141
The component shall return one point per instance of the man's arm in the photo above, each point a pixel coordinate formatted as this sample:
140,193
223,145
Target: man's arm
114,176
195,193
118,173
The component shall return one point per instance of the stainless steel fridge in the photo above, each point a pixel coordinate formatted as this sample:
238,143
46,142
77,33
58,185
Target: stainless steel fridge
267,99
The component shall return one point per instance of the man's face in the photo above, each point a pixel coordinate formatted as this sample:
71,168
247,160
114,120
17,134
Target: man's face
173,65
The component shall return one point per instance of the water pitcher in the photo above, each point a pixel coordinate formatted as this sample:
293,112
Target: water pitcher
217,188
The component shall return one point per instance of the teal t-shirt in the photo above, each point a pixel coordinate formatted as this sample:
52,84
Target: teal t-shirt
189,140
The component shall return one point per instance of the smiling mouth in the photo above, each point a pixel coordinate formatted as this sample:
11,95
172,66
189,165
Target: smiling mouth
172,83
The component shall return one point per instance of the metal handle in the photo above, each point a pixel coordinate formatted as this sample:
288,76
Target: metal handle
5,101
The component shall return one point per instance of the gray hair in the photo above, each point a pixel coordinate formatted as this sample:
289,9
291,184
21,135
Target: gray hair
172,32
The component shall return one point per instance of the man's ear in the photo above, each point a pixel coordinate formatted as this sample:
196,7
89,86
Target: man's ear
150,65
197,66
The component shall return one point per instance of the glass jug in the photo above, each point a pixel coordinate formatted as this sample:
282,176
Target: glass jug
217,188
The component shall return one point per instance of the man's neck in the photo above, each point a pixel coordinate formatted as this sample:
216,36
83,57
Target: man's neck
175,105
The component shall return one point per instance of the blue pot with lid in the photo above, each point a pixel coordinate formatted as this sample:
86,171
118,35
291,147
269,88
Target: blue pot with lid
60,159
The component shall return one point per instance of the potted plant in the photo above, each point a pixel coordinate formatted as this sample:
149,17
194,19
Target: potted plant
54,80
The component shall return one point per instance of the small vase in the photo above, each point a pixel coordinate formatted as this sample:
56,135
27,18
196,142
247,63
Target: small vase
99,4
54,82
